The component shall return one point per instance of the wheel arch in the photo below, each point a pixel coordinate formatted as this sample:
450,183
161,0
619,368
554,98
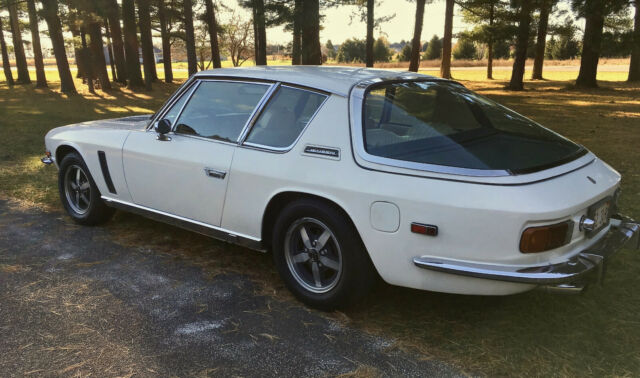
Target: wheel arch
278,202
65,149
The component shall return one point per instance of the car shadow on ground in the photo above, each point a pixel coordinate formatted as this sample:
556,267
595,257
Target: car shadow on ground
76,303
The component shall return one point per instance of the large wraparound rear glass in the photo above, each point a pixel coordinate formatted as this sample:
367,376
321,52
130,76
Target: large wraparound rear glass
443,123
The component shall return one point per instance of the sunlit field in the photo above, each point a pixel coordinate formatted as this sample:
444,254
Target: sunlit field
595,334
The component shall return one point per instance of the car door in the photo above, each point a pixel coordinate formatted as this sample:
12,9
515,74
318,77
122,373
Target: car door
186,174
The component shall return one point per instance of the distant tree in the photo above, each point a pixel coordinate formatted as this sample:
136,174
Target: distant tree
331,50
634,66
445,66
546,8
146,42
18,45
8,75
594,12
41,78
166,41
494,26
98,59
417,32
259,29
434,49
310,32
381,51
190,38
131,44
112,12
296,45
352,51
405,53
50,12
522,42
465,49
236,37
365,9
212,27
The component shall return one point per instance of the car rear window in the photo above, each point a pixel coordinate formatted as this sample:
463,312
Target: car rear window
443,123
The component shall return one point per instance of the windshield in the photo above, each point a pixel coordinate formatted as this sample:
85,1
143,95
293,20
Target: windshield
443,123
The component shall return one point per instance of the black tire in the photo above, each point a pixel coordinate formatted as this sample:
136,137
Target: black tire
96,211
357,274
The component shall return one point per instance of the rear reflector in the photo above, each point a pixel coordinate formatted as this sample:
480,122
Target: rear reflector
546,238
424,229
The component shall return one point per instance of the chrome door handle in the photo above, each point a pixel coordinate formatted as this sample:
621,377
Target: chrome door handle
215,173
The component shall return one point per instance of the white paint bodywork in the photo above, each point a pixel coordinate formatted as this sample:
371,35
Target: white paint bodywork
480,219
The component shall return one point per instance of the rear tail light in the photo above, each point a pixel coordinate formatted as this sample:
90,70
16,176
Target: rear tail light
546,238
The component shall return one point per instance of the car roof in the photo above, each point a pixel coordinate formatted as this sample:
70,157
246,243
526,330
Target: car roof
334,79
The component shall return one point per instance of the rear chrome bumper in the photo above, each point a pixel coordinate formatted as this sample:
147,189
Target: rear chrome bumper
570,275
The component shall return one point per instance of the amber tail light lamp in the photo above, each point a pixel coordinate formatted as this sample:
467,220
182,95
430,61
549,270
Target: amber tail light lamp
546,238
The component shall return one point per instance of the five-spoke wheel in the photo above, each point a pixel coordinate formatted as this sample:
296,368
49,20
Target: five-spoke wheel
320,255
313,255
77,189
79,194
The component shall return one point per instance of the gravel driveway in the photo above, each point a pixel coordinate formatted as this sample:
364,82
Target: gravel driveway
74,303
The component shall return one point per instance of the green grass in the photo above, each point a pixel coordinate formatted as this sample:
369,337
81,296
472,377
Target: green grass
533,334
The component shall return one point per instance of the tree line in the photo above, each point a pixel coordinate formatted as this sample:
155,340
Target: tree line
124,30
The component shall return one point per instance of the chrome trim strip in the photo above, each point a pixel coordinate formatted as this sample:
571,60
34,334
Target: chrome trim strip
262,147
188,224
625,233
256,112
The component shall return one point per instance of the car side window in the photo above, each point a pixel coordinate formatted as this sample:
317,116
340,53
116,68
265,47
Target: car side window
173,113
219,110
284,117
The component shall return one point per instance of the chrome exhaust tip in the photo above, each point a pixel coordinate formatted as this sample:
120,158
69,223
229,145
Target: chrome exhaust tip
573,288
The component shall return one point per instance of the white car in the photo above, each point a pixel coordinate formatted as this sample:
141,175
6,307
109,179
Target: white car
348,174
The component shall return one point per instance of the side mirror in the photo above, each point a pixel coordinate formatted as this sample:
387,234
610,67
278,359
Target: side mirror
163,127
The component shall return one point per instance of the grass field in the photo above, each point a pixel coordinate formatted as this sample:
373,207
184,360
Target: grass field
533,334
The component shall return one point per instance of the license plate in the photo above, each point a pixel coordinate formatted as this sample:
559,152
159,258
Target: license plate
600,214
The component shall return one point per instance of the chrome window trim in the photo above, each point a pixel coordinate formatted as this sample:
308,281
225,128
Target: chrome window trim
257,111
356,106
286,149
199,81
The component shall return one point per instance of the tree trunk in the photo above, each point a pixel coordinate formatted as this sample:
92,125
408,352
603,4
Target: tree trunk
417,32
107,31
77,49
634,67
85,57
8,75
146,40
296,48
98,60
212,26
492,15
587,78
370,25
18,46
166,42
50,10
113,14
445,67
41,78
260,33
541,43
311,53
517,74
192,58
132,57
